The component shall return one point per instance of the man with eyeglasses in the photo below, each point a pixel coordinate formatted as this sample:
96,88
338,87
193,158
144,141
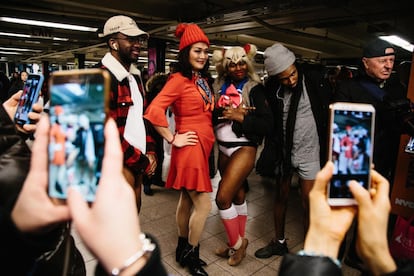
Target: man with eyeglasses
124,39
299,97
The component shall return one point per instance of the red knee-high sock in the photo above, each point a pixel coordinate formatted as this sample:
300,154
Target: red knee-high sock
230,220
242,215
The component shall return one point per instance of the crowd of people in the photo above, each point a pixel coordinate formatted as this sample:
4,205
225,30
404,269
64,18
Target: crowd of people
288,113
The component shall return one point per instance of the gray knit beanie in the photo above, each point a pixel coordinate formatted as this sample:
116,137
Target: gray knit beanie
277,58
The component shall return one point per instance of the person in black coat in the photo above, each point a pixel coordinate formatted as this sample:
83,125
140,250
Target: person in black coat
375,84
29,243
299,97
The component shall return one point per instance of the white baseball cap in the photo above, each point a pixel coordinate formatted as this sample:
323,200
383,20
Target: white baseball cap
121,24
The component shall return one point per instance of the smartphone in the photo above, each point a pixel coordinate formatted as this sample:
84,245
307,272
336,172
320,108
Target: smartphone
30,95
350,149
78,111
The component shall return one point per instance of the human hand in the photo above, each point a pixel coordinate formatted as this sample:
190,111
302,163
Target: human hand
188,138
110,228
328,224
11,106
373,212
236,114
34,211
152,164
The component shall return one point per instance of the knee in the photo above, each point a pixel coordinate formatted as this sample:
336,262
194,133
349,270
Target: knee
222,203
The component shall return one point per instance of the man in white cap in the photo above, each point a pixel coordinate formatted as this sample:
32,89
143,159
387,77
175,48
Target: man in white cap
299,100
124,39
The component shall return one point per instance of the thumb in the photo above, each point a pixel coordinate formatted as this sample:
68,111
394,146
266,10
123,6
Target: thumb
323,177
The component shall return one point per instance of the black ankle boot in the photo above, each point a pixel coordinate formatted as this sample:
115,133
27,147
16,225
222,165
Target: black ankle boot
182,243
197,251
191,260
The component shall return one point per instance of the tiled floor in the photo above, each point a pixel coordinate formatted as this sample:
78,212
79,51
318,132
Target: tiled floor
158,218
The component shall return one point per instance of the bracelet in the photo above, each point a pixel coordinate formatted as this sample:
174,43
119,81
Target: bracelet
172,140
313,254
147,248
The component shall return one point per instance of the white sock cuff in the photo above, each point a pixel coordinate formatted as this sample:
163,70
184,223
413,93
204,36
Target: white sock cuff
230,213
241,209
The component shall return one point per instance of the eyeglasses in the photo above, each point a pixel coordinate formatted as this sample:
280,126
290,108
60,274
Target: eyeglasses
240,64
134,39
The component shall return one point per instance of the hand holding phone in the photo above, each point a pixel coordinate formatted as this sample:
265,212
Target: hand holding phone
78,110
29,96
350,149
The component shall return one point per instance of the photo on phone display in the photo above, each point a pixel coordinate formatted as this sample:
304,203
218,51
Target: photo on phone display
78,110
30,95
351,144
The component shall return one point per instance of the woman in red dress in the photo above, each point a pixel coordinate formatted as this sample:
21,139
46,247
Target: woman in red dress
192,101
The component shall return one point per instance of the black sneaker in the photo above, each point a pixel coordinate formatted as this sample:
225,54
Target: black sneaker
273,248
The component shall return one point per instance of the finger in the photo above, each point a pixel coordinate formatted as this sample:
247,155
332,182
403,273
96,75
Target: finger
16,97
29,128
39,150
381,183
189,143
382,188
360,194
323,177
37,108
78,207
34,116
112,160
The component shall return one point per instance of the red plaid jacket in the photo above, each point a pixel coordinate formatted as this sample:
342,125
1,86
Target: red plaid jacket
119,103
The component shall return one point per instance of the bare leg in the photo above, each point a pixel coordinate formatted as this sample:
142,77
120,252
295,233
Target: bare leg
234,171
202,207
306,186
183,213
281,196
135,182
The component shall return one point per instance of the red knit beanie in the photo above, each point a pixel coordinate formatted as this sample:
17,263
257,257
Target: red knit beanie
190,34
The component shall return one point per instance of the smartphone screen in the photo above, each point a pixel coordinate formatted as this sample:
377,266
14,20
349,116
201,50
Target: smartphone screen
29,96
78,110
351,144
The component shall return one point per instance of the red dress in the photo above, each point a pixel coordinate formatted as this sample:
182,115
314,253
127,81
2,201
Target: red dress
189,167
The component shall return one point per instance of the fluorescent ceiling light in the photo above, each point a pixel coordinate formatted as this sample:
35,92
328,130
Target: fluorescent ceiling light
48,24
398,41
10,53
15,35
33,36
18,49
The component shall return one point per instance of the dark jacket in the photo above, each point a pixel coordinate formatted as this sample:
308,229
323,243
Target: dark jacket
319,91
295,265
19,251
389,115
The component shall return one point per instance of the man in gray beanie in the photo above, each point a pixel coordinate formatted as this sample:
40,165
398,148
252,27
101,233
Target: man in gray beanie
299,100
